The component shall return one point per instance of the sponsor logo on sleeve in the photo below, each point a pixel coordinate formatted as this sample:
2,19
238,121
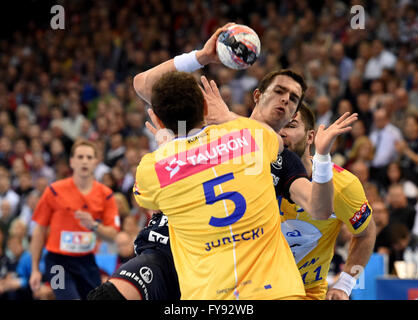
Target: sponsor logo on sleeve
146,274
360,216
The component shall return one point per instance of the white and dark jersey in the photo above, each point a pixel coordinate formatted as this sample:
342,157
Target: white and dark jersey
155,235
287,168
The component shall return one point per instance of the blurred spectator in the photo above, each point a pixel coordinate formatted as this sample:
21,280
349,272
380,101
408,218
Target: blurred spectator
5,263
20,151
354,88
381,218
6,217
362,150
27,211
65,143
323,111
392,238
5,151
381,59
18,228
14,286
340,255
109,180
135,123
402,108
334,92
408,24
116,151
384,136
23,188
372,192
8,194
394,175
413,93
344,64
40,169
378,95
124,247
130,226
16,283
72,124
399,208
58,153
408,148
361,170
400,237
101,167
123,206
358,130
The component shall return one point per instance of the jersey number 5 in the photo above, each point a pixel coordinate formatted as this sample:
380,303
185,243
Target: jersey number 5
237,198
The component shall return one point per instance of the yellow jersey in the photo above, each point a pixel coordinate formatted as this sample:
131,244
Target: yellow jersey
216,190
312,241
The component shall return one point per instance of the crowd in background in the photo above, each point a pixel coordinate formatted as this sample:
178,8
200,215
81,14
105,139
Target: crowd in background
58,85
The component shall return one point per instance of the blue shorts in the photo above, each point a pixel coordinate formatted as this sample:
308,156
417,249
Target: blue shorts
81,275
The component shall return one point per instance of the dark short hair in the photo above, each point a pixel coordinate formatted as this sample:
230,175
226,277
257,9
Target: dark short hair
175,97
307,116
268,79
83,142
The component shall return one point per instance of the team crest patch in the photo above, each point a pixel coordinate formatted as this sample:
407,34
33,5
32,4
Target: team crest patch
278,163
360,216
146,274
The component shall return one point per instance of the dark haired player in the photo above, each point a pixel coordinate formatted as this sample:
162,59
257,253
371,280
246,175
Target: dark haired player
312,241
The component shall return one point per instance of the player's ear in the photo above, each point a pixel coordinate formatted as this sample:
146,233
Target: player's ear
310,137
71,162
256,95
159,122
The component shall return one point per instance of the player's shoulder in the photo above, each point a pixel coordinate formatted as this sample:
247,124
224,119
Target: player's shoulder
102,188
61,186
244,122
344,180
342,175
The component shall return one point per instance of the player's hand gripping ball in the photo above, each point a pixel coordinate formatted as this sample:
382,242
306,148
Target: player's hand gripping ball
238,47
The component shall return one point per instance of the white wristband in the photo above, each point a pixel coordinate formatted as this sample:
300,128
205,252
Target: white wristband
321,168
187,62
345,283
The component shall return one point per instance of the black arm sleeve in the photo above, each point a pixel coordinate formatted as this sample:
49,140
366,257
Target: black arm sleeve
287,168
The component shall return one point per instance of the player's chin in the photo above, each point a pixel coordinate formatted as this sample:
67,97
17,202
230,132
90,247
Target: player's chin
85,173
279,120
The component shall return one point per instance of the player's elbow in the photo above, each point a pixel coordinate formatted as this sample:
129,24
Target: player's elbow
140,86
137,82
369,232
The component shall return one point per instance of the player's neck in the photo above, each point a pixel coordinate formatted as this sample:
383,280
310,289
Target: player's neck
258,115
84,184
307,162
192,132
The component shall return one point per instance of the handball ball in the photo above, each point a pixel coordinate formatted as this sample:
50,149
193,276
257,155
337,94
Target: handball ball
238,47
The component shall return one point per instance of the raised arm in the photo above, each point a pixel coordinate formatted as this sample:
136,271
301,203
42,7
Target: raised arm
188,62
316,197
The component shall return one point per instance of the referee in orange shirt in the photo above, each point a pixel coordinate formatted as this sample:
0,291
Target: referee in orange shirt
75,210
